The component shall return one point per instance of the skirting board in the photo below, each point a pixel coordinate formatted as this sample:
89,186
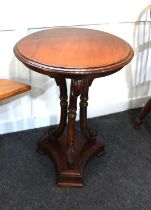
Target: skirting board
30,123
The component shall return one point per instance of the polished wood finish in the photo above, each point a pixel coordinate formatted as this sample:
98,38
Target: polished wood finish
53,131
70,175
73,52
81,55
9,88
90,134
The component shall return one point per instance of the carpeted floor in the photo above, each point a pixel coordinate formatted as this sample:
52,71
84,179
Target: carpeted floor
119,180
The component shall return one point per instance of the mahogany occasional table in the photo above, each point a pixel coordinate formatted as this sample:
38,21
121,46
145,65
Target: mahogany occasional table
81,55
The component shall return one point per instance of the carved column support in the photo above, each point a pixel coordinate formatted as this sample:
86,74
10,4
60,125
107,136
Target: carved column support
54,132
75,91
87,132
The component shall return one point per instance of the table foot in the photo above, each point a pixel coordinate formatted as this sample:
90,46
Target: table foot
41,152
39,148
71,175
137,122
101,153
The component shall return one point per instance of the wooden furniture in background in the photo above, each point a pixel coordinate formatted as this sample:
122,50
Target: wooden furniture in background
147,107
9,88
144,112
80,55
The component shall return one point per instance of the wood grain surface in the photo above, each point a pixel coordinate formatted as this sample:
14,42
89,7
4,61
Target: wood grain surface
9,88
73,51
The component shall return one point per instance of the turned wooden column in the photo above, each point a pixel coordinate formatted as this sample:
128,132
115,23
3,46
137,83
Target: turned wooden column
89,133
54,132
75,91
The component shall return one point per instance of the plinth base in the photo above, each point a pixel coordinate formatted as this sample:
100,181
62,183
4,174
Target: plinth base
70,176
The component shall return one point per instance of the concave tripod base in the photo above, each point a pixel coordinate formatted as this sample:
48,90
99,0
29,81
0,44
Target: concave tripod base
70,176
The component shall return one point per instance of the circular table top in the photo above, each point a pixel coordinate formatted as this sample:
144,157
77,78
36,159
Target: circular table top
73,52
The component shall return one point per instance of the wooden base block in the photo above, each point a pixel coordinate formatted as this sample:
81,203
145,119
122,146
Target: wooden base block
70,176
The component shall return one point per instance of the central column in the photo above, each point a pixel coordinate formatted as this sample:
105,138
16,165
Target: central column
75,91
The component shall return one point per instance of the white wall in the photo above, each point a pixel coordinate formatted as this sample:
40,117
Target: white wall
128,88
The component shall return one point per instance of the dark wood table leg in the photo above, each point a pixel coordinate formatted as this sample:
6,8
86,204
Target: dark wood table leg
55,131
89,133
147,108
69,151
75,91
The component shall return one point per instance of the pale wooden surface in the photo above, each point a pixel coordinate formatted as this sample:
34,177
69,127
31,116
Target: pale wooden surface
9,88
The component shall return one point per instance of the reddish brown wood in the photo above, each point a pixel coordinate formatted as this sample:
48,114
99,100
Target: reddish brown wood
89,133
69,176
81,55
75,91
53,131
9,88
72,52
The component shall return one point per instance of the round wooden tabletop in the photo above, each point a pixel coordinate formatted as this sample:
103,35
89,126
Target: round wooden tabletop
73,52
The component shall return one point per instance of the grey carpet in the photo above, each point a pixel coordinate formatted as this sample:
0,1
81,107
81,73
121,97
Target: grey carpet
119,180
